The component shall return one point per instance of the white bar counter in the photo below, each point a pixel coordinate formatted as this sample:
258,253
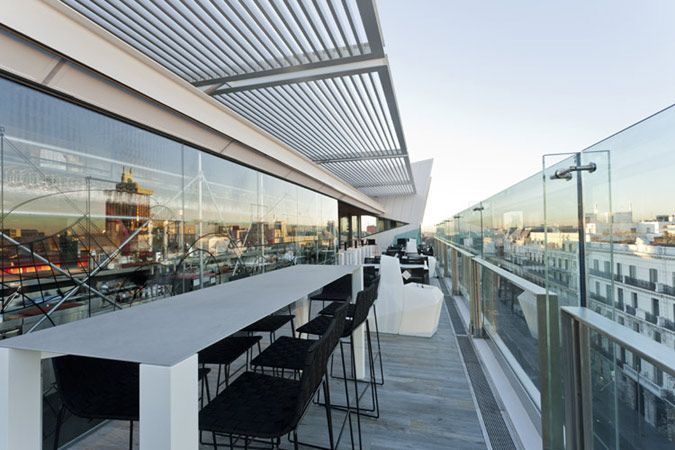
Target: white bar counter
164,337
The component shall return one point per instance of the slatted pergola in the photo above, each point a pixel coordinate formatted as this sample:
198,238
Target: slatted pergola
313,73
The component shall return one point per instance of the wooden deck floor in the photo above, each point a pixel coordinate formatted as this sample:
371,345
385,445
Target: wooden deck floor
425,403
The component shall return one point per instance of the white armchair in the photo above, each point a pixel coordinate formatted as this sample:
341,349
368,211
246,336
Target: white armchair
432,267
412,309
411,247
390,295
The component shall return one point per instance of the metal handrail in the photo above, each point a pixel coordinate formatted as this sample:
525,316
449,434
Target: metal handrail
577,324
459,249
545,396
513,278
647,349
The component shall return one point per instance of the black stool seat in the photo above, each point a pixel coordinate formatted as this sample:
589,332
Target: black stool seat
330,309
253,405
331,297
318,326
285,353
338,290
269,324
227,350
97,388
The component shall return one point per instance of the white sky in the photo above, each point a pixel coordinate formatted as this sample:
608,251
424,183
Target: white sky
487,87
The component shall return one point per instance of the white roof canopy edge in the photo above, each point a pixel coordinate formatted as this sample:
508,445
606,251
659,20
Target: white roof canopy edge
56,26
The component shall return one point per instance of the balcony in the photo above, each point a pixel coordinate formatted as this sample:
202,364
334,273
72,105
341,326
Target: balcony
651,318
667,324
630,310
668,290
643,284
600,273
415,369
289,148
600,298
416,373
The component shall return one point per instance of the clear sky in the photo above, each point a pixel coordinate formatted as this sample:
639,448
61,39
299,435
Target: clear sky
487,87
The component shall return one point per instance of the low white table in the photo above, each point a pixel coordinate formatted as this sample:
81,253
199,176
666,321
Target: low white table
164,337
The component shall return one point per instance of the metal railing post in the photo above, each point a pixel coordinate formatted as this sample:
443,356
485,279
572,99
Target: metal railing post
454,260
475,307
550,386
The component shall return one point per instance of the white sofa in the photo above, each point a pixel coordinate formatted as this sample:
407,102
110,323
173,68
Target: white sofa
412,309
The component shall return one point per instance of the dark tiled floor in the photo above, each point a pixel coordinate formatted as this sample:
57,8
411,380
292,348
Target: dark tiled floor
425,403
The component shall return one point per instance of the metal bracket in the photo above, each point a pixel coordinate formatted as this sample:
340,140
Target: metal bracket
566,174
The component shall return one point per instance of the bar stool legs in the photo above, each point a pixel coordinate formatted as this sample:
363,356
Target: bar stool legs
379,348
356,390
372,382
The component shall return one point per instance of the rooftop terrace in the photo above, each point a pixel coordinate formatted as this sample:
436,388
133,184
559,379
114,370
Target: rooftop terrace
426,402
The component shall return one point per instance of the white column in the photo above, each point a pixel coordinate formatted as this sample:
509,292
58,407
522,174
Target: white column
357,281
169,409
301,312
359,333
20,400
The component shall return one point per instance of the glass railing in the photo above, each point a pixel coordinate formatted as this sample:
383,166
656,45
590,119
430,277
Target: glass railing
594,229
519,319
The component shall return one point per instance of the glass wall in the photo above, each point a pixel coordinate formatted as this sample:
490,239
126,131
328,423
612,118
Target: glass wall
355,227
99,215
602,237
133,216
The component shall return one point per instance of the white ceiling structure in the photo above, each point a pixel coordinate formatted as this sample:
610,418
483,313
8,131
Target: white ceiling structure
311,72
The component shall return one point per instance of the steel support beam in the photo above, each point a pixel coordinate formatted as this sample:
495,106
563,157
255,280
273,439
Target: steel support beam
336,71
333,64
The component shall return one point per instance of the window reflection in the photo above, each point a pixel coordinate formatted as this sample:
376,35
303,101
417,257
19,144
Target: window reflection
99,215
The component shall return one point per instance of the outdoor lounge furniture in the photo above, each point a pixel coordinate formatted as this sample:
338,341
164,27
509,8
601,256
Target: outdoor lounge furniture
374,288
416,275
164,338
431,261
258,407
271,324
289,353
411,247
224,352
411,309
318,326
415,259
339,290
94,388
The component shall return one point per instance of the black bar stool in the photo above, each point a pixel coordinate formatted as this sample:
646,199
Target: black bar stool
257,407
339,290
330,310
94,388
289,353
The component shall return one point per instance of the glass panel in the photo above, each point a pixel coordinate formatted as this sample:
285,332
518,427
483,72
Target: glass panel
278,221
510,317
98,215
561,231
641,416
